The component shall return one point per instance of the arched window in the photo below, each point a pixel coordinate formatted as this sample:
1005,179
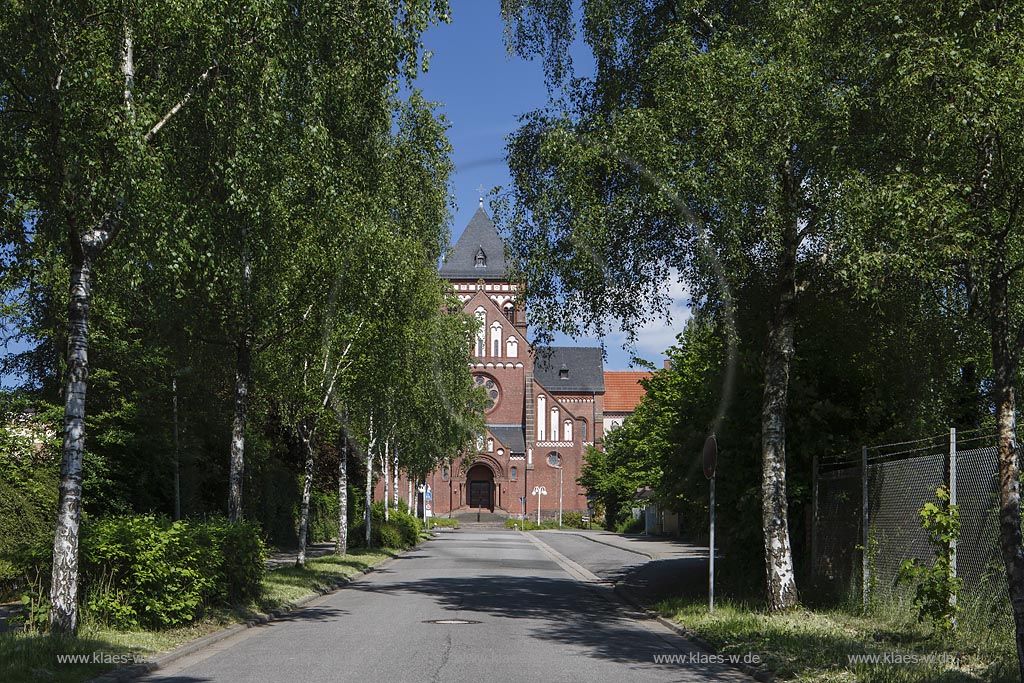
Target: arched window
481,258
567,430
554,423
445,473
480,442
513,474
509,310
481,332
583,430
512,347
496,339
542,415
490,445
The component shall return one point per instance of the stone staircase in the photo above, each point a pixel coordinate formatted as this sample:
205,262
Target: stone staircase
477,519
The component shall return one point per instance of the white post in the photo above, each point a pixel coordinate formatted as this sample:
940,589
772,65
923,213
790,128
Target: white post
711,553
538,508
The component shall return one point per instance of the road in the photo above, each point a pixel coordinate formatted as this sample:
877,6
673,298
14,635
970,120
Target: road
533,615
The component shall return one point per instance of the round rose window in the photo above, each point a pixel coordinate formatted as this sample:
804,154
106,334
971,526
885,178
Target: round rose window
492,390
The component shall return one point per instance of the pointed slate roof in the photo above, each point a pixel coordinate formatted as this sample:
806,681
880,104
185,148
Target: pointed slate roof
478,254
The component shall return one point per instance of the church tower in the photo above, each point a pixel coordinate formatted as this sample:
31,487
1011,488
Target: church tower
545,406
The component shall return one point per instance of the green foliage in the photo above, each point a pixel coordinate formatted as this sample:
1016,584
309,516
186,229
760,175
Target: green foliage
936,588
573,520
144,571
28,481
401,531
631,525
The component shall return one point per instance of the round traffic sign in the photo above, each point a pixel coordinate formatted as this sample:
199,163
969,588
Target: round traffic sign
710,456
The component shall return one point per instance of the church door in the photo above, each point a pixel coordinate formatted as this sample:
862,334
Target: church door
481,485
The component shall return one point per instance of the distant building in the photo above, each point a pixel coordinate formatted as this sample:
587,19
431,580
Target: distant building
622,394
545,405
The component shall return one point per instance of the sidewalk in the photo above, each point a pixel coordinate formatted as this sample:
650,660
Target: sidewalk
675,568
654,547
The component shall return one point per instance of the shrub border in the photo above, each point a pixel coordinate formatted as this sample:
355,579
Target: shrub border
133,671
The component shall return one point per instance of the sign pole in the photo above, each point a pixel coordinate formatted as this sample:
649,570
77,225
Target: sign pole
711,556
710,462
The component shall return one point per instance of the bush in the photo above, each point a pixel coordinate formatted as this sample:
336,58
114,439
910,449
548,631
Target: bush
631,526
402,531
144,571
573,520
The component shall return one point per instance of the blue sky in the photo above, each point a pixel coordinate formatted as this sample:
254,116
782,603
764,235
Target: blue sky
483,91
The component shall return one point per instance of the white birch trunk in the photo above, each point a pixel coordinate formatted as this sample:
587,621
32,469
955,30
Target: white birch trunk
409,503
64,580
385,461
394,474
307,488
369,483
237,470
341,545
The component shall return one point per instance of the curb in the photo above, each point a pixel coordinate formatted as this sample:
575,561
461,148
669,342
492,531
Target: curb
590,537
129,673
756,673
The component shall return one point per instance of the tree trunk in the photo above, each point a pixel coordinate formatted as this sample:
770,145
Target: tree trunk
341,545
394,474
408,502
243,371
778,555
307,488
384,463
64,585
1004,363
369,483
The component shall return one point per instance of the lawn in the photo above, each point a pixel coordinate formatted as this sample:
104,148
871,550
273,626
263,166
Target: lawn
816,646
34,658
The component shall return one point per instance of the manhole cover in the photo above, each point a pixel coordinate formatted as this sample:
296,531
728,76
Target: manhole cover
450,621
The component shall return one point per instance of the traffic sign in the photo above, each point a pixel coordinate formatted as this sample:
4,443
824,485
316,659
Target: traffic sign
710,456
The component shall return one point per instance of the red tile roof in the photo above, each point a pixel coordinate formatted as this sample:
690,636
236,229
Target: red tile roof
622,390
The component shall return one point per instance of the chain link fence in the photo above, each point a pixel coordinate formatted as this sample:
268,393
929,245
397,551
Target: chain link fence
865,522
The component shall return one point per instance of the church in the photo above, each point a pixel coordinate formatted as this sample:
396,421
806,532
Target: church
544,407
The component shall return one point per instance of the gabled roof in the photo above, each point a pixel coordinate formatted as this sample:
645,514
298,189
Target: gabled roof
569,369
479,252
513,436
622,390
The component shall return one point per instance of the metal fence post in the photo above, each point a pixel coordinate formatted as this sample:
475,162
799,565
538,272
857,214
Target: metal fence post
952,502
865,568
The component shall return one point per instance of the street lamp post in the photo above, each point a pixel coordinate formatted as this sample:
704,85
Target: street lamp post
539,491
559,467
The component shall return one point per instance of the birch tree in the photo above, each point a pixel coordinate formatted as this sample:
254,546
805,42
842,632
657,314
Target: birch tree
86,93
951,100
711,146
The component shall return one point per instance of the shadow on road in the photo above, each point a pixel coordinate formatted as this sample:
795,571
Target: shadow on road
566,612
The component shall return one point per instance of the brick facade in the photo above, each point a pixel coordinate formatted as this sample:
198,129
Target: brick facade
521,447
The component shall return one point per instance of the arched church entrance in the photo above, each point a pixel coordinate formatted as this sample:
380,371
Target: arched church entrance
480,485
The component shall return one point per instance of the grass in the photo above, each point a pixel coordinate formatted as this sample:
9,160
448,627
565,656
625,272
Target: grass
442,522
814,646
33,658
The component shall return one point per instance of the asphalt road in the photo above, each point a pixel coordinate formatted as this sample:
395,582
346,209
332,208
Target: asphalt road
533,619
